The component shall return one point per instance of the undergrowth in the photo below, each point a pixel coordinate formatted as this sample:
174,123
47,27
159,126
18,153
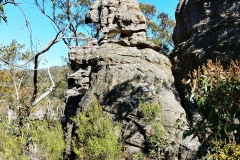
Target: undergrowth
42,139
216,91
96,136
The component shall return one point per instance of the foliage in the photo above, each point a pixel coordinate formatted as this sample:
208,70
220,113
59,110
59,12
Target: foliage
18,137
48,136
16,80
14,86
96,136
12,54
44,136
11,147
159,26
158,141
69,12
229,151
216,92
2,14
150,111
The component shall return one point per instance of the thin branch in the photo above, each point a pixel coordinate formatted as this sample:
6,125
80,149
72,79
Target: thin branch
35,80
27,22
10,2
76,38
48,90
52,19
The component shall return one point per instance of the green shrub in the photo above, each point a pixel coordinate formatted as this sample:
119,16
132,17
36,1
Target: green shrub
229,151
150,111
216,92
11,147
158,141
96,136
46,135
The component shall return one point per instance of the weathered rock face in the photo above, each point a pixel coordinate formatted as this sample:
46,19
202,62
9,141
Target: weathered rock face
205,29
120,77
122,73
117,16
122,17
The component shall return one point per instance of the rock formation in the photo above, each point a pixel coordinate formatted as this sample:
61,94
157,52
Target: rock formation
204,30
122,73
120,17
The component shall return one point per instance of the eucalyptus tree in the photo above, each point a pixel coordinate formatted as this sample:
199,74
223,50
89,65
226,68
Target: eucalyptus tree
69,14
159,27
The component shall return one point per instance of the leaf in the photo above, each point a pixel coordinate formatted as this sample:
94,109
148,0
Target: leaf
1,8
225,130
5,19
211,112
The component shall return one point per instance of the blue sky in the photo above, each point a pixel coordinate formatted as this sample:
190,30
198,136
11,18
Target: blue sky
43,31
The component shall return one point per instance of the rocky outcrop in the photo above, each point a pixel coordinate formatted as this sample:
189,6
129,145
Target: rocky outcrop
121,73
122,17
120,78
204,30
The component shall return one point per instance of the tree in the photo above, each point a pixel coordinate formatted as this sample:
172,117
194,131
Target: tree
10,56
159,27
15,86
70,13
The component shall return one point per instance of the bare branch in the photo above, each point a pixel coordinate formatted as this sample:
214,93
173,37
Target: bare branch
77,38
10,2
27,22
52,19
48,90
35,80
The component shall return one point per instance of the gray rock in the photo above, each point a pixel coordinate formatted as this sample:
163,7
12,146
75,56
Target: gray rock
122,73
120,78
122,17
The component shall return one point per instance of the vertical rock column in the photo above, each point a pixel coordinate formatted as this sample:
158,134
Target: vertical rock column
78,85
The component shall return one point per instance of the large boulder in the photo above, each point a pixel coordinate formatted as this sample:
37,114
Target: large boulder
204,30
120,78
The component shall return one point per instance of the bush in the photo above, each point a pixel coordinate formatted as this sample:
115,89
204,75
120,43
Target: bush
229,151
150,111
48,136
96,136
39,138
11,147
158,141
216,92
